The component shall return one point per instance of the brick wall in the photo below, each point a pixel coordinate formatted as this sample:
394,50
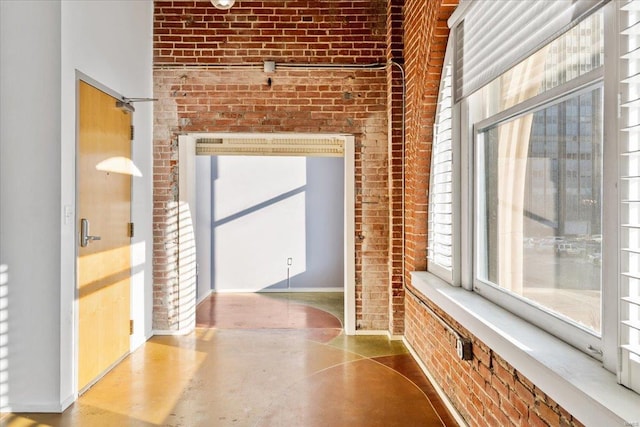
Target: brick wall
208,78
315,31
395,164
486,391
425,43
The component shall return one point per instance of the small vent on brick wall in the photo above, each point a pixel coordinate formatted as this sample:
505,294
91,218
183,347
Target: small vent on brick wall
210,141
323,147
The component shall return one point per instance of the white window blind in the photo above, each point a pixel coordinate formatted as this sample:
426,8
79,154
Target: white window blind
493,36
630,194
440,237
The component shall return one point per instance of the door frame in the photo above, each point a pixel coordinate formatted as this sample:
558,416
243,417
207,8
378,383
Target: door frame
187,154
81,77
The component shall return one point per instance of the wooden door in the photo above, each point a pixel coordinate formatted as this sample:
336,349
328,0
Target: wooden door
104,201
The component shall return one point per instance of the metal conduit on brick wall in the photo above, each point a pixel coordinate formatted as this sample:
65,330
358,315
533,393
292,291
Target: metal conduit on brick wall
486,391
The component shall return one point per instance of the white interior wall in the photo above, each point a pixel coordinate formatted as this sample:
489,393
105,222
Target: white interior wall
324,224
30,211
203,225
43,45
269,210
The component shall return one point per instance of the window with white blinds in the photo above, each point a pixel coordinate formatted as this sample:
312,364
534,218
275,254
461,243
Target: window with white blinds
545,97
440,226
494,35
629,165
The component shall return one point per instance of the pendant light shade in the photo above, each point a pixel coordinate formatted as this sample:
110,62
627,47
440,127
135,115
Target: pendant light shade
223,4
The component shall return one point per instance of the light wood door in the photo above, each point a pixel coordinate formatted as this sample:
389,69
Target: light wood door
104,200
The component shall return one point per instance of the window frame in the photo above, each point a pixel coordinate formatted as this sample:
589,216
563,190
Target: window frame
465,129
536,314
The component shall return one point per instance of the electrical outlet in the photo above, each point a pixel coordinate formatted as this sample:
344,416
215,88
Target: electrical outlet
289,261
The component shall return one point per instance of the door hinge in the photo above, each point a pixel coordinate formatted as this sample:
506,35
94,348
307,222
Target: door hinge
130,229
130,327
132,132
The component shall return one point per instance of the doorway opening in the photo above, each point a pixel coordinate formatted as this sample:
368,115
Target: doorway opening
301,154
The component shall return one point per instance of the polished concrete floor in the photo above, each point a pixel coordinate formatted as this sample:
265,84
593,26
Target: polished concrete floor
259,360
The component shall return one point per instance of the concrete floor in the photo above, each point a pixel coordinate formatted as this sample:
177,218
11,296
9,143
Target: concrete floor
259,360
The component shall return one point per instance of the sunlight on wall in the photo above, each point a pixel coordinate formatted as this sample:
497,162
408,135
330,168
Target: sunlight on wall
186,268
247,181
169,320
258,245
4,335
259,222
138,259
138,255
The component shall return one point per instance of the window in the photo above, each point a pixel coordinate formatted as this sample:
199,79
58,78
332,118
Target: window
547,133
537,224
440,227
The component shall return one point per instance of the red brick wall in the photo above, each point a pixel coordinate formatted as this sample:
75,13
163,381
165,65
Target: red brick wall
425,43
395,164
208,78
314,31
486,391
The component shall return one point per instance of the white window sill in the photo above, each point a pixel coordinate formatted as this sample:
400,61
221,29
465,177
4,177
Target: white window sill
574,380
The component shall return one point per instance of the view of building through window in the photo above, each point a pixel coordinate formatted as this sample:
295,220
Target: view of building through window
543,207
540,181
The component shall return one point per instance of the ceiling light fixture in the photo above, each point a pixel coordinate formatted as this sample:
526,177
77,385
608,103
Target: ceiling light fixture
223,4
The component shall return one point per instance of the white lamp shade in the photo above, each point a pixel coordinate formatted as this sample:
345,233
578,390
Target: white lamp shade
223,4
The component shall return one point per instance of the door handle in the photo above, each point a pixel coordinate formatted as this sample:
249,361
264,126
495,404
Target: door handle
85,238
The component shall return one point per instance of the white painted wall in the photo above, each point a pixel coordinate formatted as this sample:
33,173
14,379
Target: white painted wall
30,209
203,224
186,208
269,209
44,45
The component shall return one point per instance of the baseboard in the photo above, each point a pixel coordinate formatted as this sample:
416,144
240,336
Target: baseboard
375,332
167,332
329,289
47,408
105,372
203,297
443,396
371,332
137,341
281,290
67,402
